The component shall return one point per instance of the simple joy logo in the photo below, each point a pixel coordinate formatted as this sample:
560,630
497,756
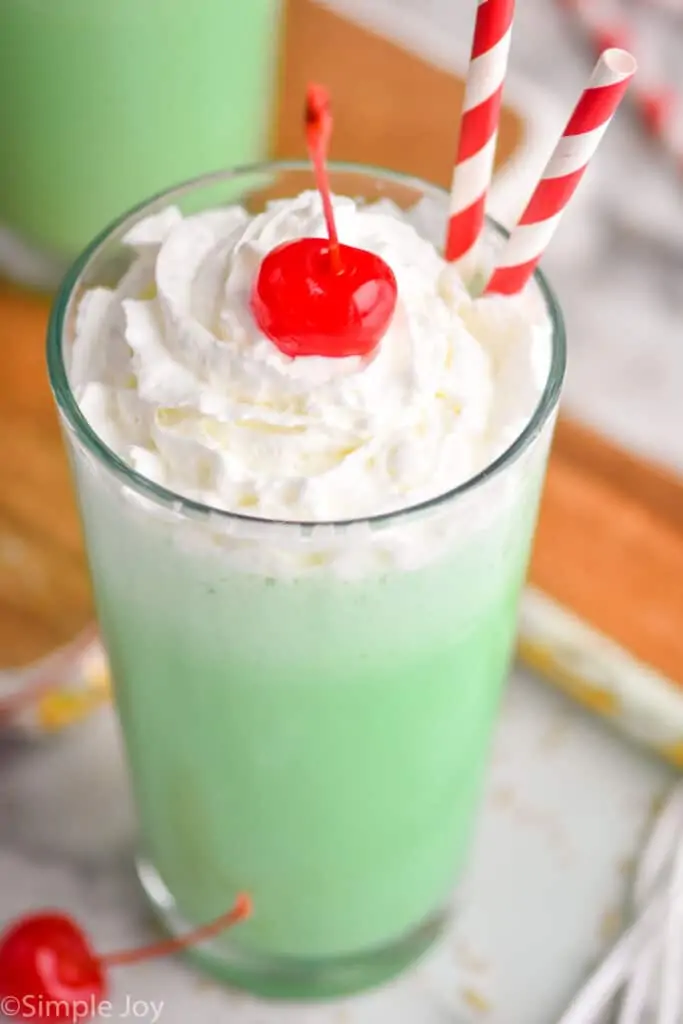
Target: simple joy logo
75,1011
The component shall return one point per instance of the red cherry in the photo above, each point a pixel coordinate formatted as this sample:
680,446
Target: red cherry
313,296
48,965
307,310
47,957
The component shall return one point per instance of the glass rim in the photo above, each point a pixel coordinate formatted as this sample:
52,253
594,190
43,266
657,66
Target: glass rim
159,495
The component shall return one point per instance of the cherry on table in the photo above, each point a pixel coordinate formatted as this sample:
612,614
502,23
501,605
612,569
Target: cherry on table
48,964
47,957
315,296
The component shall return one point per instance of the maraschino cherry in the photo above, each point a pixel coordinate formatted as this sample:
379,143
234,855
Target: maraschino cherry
46,961
314,296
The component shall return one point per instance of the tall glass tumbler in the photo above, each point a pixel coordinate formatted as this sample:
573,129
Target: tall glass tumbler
307,708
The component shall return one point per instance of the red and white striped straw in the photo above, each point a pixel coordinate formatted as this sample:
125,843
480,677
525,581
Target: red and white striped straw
586,127
479,125
657,104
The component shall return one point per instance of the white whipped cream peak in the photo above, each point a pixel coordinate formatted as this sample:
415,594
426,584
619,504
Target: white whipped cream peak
171,370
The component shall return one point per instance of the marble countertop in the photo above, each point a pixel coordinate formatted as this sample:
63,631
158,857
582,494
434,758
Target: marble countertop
554,845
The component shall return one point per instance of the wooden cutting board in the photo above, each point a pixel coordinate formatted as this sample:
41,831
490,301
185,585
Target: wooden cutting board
44,592
610,542
390,108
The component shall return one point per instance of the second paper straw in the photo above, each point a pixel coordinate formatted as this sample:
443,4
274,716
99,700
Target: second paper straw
580,139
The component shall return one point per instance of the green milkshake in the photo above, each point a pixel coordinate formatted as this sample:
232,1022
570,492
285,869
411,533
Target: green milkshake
105,101
307,569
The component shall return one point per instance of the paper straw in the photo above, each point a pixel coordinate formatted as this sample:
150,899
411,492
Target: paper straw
657,104
586,127
479,125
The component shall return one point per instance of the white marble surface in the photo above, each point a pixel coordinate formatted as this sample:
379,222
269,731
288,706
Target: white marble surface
566,807
567,801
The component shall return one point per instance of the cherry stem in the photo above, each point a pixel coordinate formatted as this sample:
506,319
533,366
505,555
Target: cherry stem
240,911
318,132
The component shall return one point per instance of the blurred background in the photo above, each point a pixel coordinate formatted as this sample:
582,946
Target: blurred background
103,104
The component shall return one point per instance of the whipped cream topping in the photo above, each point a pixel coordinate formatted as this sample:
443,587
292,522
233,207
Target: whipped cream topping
172,372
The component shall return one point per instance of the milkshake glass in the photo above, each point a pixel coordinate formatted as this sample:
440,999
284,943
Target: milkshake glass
307,707
103,102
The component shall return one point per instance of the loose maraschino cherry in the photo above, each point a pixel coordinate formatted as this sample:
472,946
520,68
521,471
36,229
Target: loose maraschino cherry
314,296
47,962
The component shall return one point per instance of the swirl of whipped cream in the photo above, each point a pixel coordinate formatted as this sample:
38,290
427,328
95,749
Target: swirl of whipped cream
172,371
